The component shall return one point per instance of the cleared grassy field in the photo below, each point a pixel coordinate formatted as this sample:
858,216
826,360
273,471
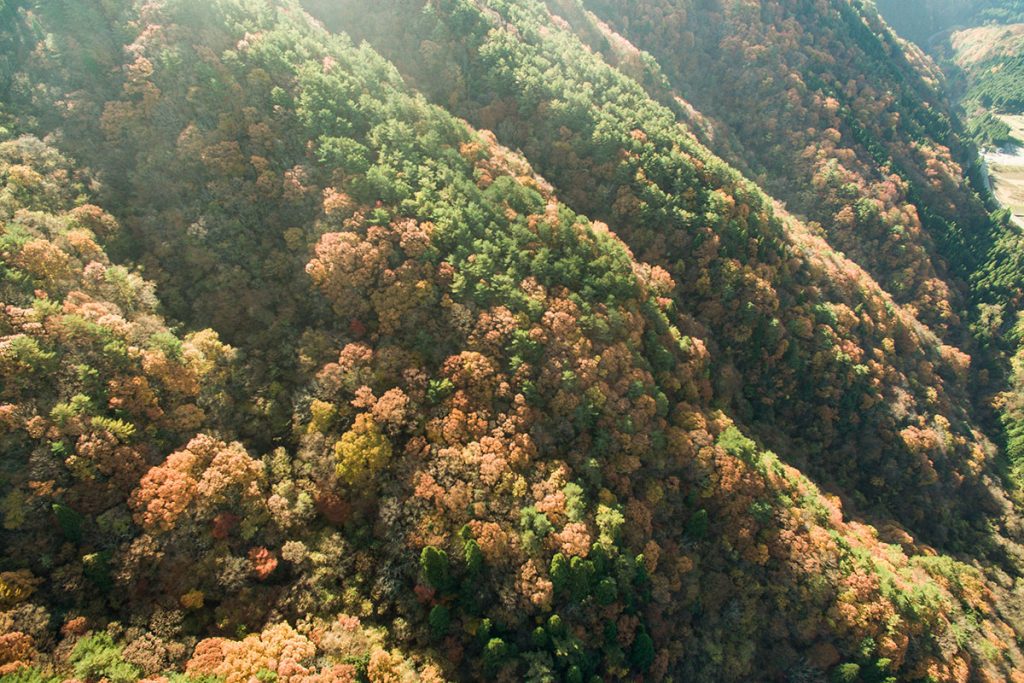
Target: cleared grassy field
1016,124
1007,171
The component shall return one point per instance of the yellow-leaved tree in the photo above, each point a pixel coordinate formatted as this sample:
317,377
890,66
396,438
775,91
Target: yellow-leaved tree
362,451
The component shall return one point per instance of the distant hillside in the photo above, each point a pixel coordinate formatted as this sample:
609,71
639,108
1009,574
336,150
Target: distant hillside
981,45
925,20
992,59
974,46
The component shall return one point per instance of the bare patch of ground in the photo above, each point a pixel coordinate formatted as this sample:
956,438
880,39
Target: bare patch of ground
1006,171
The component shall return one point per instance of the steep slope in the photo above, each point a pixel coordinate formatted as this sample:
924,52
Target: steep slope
977,43
982,61
991,59
981,43
861,141
798,334
888,127
850,131
464,432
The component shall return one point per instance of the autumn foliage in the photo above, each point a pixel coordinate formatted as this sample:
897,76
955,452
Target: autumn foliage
338,387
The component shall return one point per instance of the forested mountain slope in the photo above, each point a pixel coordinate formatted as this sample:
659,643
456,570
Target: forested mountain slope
859,137
851,131
991,59
361,394
979,46
620,156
